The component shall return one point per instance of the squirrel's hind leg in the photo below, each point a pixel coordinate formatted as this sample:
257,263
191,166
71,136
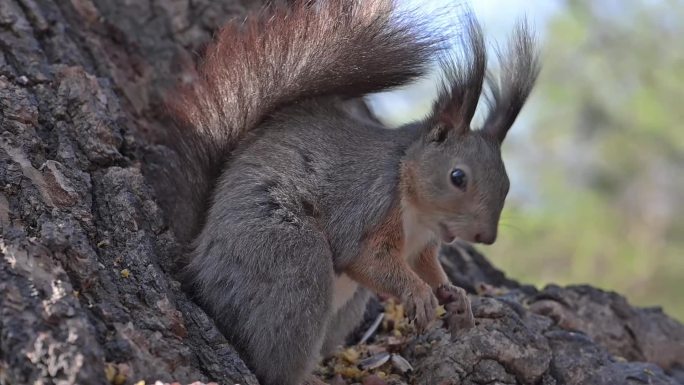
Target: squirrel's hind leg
345,320
313,380
271,294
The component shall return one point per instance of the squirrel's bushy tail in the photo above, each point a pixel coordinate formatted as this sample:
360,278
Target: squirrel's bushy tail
285,54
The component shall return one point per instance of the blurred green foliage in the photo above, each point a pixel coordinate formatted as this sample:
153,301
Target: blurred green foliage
602,166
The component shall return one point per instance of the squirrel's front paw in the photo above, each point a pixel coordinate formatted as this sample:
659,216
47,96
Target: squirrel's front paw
421,305
459,314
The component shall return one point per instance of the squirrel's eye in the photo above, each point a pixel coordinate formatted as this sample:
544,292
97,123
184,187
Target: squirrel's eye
458,178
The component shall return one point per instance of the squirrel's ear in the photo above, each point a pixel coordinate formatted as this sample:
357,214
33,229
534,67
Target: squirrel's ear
519,68
461,85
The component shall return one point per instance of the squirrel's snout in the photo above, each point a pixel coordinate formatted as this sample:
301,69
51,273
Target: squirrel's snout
486,237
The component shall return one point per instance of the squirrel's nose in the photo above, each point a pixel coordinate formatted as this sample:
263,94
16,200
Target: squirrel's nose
486,237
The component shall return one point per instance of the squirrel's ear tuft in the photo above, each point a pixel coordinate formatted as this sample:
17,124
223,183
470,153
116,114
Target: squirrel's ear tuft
519,68
461,85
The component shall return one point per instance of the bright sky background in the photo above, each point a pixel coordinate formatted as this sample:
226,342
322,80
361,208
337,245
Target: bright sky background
497,18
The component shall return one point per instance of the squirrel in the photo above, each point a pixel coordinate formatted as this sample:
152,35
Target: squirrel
301,209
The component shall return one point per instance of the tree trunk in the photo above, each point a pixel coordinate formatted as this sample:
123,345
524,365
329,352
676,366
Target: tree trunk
87,294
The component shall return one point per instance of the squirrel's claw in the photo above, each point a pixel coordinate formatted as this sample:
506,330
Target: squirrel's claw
459,314
421,307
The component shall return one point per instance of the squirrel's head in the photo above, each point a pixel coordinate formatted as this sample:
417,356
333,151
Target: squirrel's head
453,176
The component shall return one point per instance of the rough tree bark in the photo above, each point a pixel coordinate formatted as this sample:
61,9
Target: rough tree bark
85,287
87,294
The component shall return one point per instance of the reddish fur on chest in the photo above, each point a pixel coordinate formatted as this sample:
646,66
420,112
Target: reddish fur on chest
388,236
387,239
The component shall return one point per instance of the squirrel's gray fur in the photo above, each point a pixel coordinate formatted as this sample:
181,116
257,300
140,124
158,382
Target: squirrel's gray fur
289,191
